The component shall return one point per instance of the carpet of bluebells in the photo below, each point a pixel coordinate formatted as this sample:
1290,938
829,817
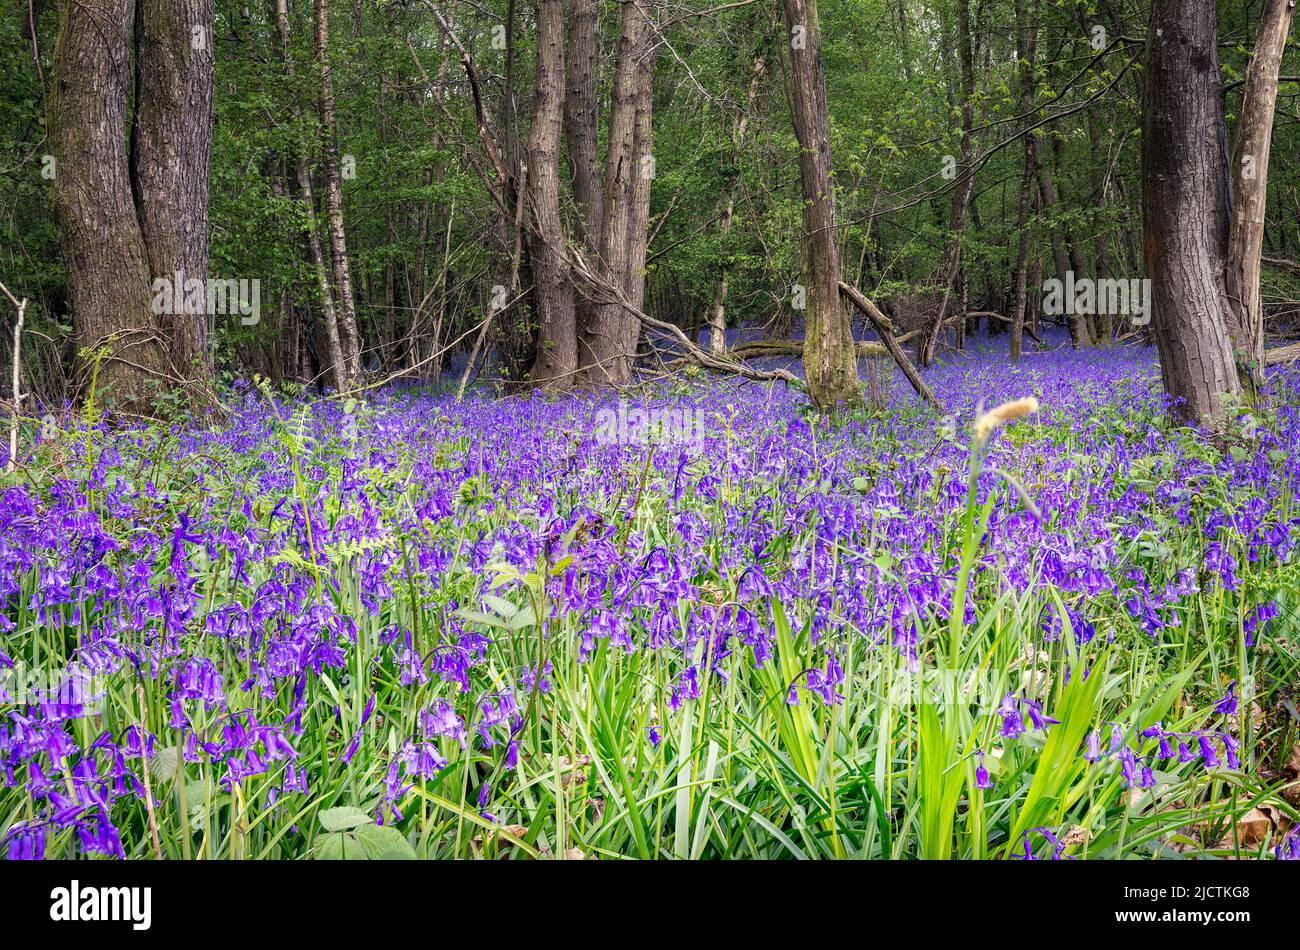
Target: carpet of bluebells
402,626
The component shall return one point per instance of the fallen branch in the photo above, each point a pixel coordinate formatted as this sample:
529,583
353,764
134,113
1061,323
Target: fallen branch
885,330
993,314
1282,263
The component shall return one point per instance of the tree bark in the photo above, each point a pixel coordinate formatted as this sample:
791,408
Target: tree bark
638,223
582,117
1250,157
607,340
581,126
171,150
1184,207
557,340
830,364
99,230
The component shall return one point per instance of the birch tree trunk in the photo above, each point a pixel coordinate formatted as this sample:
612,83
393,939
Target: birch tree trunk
329,349
345,304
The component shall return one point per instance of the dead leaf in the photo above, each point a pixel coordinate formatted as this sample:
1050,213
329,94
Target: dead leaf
1254,827
519,831
1291,791
1077,835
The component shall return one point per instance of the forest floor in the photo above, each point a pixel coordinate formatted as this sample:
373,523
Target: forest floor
700,622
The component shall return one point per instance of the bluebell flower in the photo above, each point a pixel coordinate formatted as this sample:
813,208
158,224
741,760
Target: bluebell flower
982,779
1228,704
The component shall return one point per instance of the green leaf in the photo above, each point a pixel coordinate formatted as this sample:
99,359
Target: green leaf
164,763
500,605
478,616
343,818
385,843
331,848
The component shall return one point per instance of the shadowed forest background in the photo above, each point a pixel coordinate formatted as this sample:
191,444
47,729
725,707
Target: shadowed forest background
402,180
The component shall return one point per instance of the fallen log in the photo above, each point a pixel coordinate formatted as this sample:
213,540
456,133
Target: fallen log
1282,354
885,330
758,349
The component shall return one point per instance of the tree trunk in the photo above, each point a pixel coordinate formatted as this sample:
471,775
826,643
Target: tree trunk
905,40
1080,331
582,117
718,313
1184,207
607,340
1250,156
643,165
964,184
515,337
1022,289
171,150
830,364
557,339
581,125
329,349
417,286
1026,51
345,304
99,230
1100,240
